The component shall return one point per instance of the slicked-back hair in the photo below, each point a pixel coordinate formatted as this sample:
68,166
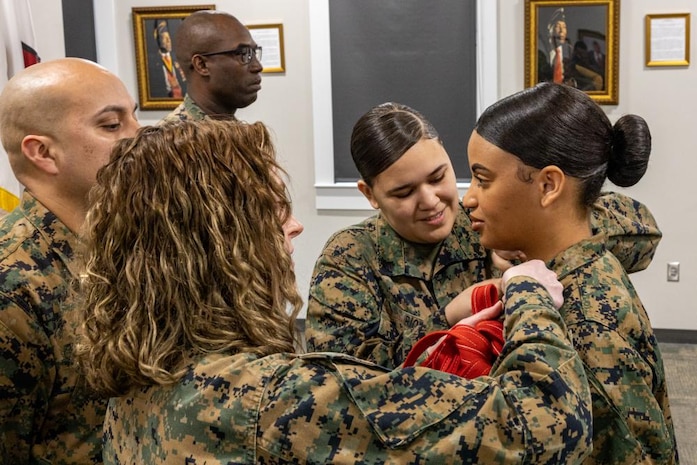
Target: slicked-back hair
184,254
554,124
382,135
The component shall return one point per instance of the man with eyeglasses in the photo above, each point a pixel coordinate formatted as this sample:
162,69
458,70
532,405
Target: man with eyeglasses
221,63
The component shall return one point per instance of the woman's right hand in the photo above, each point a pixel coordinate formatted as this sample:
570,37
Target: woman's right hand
504,259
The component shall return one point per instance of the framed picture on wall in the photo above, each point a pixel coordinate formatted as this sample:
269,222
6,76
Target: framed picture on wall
161,82
667,39
576,43
270,38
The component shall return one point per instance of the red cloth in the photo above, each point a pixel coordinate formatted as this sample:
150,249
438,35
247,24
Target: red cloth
467,351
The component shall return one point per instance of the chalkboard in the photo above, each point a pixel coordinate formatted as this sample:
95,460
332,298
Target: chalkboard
421,53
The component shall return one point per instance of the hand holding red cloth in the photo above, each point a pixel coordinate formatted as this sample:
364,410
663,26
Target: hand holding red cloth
469,348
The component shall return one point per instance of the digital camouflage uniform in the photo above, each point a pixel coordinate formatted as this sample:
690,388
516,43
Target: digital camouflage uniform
612,333
45,415
186,111
373,295
333,409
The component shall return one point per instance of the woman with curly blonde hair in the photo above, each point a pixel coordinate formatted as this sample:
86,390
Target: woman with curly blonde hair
186,287
191,258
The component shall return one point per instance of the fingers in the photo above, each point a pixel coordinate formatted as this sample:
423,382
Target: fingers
461,306
489,313
503,259
499,262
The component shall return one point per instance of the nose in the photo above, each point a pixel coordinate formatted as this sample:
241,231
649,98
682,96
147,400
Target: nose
294,227
469,200
255,65
131,125
428,197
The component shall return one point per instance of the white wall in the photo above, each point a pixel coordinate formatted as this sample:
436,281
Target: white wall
47,18
665,97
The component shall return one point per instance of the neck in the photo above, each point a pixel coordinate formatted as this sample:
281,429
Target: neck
210,106
68,211
554,237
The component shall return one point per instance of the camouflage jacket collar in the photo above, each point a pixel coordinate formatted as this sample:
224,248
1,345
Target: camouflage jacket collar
402,258
61,239
193,110
577,256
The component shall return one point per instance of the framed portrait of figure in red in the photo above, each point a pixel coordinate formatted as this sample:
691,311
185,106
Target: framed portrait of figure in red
161,82
576,43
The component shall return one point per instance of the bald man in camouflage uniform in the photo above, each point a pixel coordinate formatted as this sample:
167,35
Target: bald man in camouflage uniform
58,122
208,44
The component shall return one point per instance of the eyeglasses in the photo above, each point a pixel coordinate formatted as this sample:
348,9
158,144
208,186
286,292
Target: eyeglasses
245,52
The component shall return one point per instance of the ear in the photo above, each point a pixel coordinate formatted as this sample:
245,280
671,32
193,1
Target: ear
39,152
551,182
367,192
200,65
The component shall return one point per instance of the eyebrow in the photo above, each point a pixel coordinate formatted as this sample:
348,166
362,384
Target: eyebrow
408,185
115,108
243,44
479,167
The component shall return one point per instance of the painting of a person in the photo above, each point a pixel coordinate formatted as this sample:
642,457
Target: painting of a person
569,64
172,72
560,48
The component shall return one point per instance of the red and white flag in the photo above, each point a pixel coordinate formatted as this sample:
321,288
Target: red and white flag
17,51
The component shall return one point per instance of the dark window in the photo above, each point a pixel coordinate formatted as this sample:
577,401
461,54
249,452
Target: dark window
421,53
78,29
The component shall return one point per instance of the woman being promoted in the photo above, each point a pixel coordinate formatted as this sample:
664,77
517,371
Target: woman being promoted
187,281
382,284
539,159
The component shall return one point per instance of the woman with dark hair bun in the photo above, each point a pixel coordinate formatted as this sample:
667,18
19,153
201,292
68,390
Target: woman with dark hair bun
382,284
539,159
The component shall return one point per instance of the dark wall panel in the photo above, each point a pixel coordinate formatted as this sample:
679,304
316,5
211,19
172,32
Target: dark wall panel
78,29
417,52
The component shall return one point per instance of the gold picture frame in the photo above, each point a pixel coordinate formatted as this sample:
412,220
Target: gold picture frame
270,38
586,56
667,39
161,85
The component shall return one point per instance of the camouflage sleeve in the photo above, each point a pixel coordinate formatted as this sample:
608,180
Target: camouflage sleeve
536,409
631,230
25,385
344,309
630,401
632,419
348,312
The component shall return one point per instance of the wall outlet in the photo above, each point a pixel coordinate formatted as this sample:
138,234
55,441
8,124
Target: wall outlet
674,271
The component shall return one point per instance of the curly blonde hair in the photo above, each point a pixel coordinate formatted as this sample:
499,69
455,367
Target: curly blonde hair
184,254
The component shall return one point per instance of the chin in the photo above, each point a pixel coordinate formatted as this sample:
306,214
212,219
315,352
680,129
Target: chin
489,244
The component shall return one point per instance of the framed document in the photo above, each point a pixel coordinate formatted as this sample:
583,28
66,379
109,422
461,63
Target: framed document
270,38
668,39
